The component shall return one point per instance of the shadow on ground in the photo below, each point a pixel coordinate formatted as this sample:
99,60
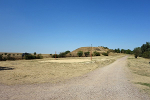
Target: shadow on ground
5,68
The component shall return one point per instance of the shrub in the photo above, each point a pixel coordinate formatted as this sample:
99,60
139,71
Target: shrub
28,57
5,53
105,47
62,54
39,56
1,57
53,56
86,53
137,51
50,54
105,54
66,52
10,58
80,53
34,53
4,59
95,53
146,54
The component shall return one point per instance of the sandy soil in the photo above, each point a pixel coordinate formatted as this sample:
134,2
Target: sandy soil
50,70
106,83
68,60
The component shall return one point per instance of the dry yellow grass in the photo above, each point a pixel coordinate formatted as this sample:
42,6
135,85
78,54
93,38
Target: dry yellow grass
141,72
41,70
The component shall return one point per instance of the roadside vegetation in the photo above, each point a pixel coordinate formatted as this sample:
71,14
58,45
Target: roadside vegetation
143,51
140,68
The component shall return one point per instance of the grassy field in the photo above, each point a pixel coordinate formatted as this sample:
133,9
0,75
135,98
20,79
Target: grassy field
49,69
141,72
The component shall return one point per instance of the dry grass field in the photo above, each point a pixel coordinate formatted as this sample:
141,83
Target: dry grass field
49,69
141,72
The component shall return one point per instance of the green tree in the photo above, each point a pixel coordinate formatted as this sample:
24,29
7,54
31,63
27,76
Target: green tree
146,54
1,57
122,51
34,53
62,54
66,52
86,53
95,53
128,51
55,55
145,47
118,50
80,53
137,51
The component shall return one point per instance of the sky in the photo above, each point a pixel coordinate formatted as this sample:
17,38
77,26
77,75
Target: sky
46,26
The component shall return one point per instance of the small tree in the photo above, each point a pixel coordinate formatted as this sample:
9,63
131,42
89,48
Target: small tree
105,54
53,56
1,57
95,53
39,56
62,54
137,51
86,53
146,54
66,52
80,53
34,53
5,53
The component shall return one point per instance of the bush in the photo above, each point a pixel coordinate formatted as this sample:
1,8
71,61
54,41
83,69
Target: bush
66,52
86,53
105,54
10,58
34,53
53,56
1,57
146,54
4,59
62,54
28,57
39,56
95,53
80,53
137,51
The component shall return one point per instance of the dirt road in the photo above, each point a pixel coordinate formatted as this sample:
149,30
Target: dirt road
107,83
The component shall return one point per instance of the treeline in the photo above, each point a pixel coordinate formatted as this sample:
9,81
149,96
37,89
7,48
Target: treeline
61,55
79,54
128,51
7,57
143,51
27,56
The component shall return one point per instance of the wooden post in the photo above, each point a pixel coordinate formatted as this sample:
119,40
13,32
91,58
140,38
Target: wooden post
91,52
55,55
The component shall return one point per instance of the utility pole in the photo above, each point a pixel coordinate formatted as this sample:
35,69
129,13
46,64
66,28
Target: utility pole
91,52
55,55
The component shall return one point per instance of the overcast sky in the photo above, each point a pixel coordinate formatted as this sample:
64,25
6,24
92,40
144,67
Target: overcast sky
46,26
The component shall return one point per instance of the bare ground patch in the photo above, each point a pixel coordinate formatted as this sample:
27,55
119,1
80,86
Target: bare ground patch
46,70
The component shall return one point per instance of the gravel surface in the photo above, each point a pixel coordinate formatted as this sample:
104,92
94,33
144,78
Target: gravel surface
107,83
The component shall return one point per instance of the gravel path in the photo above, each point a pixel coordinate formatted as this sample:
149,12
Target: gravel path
107,83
